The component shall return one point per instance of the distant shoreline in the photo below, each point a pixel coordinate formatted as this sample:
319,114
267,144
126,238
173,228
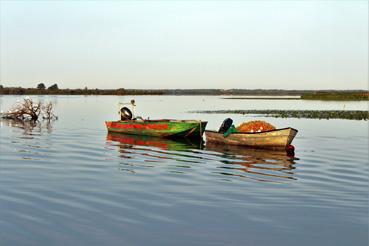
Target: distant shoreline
277,97
308,114
352,95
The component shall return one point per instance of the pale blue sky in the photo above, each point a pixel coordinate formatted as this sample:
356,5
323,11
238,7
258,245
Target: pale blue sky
185,44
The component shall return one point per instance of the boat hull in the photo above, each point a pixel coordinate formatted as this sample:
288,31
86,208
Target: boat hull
159,128
279,138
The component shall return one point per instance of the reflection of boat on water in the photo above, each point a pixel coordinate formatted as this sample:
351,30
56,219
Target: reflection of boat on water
248,151
260,164
182,154
161,143
142,151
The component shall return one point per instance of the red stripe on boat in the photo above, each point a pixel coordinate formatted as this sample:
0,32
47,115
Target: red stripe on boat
108,124
139,126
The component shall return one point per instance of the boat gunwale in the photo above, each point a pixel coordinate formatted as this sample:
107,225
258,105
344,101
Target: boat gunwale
158,121
252,133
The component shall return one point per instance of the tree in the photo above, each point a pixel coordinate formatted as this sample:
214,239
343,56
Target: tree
41,86
23,110
29,110
53,87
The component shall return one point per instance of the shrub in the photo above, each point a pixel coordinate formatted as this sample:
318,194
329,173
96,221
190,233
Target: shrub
53,87
41,86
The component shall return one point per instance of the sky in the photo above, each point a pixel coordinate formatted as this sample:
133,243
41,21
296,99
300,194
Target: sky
185,44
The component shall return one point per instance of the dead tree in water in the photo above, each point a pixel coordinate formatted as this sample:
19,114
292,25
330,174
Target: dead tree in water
48,111
29,110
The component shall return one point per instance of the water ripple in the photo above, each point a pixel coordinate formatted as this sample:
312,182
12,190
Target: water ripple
82,186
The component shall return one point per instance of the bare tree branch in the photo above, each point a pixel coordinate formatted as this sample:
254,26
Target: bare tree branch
29,110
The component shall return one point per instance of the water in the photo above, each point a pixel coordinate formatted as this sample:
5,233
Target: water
69,182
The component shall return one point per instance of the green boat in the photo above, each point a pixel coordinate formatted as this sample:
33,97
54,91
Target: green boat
159,128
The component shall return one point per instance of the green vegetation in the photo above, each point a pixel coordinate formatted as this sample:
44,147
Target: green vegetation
337,96
311,114
262,98
54,90
40,89
54,87
41,86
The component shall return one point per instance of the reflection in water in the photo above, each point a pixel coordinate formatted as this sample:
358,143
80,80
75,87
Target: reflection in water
161,143
263,164
142,150
69,185
28,143
30,127
257,164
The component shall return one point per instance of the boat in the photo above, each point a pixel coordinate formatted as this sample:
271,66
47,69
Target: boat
167,128
275,139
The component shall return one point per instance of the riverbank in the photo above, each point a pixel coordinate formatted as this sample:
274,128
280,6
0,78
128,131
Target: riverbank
255,94
309,114
317,95
337,96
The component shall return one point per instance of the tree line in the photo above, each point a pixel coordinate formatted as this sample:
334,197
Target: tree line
42,89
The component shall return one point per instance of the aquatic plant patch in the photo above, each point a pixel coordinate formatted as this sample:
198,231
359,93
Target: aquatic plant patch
310,114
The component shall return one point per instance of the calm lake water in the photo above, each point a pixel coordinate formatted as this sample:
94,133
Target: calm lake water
71,183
